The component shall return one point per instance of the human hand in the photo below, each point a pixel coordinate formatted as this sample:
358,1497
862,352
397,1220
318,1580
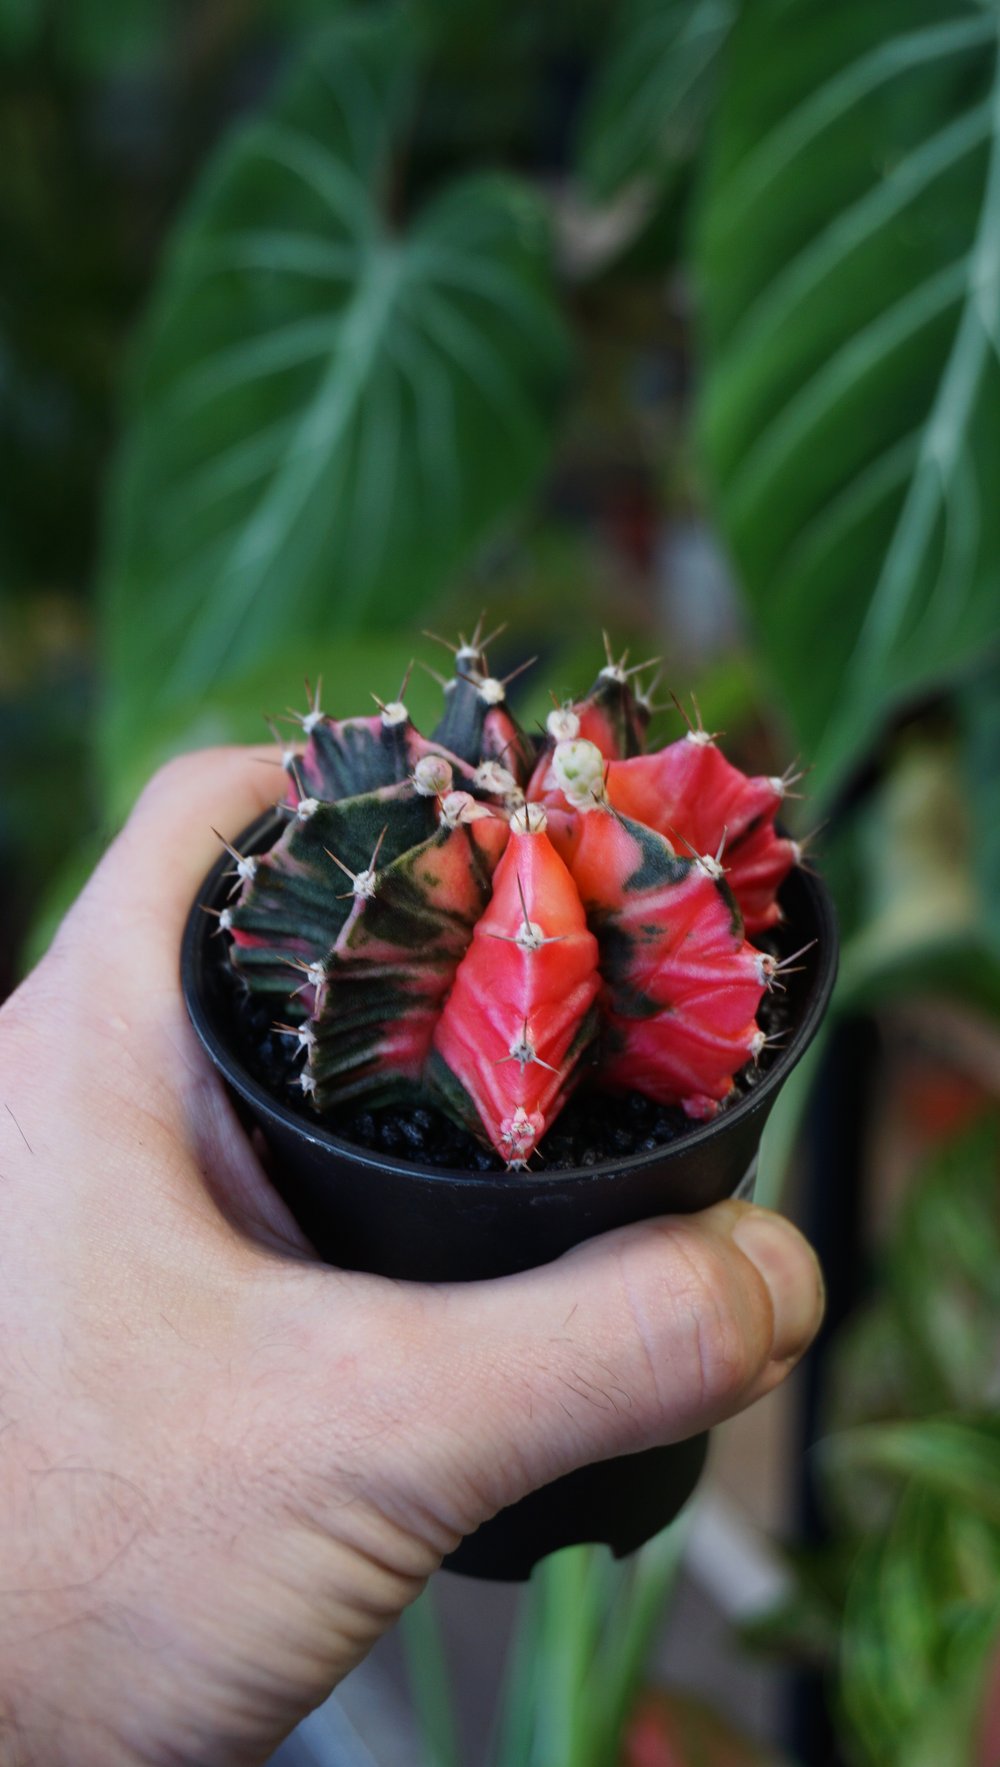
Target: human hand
225,1467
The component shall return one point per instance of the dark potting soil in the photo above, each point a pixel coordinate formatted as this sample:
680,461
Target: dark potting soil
592,1127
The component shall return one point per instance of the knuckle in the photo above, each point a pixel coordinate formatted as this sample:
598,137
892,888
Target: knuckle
715,1346
725,1361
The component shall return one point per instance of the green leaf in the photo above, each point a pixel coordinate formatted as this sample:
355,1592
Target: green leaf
646,112
584,1633
923,929
352,669
979,712
781,1134
430,1681
118,37
921,1615
957,1457
944,1272
21,24
849,259
928,1341
331,407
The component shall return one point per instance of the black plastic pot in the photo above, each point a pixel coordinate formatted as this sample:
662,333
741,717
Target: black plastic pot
393,1217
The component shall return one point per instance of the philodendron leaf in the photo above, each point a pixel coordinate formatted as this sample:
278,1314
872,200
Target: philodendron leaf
331,406
646,112
849,260
979,713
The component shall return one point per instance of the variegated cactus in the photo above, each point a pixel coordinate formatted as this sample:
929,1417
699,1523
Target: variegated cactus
479,919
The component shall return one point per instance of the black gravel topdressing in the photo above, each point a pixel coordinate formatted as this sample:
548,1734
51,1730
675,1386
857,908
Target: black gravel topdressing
592,1128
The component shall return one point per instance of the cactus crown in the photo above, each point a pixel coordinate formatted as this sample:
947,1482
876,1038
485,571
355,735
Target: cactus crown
480,918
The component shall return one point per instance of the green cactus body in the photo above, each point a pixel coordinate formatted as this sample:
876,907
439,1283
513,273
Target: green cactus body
478,918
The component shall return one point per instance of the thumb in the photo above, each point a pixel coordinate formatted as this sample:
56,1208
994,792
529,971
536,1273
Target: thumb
638,1338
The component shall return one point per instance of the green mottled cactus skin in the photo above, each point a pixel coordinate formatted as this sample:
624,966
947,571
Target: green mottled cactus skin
478,917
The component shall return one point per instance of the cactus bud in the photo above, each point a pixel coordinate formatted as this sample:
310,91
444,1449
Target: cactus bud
578,771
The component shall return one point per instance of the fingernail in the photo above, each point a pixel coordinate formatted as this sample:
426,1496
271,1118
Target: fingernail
791,1270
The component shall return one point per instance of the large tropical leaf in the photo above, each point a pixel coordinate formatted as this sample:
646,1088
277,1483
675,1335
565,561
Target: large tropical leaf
849,258
645,113
333,404
979,710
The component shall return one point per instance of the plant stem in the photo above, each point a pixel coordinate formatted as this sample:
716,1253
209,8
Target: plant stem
430,1683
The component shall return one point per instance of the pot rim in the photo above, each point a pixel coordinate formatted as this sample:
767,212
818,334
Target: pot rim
196,933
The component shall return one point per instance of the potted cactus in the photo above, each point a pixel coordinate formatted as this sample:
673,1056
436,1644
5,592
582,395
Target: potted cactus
487,993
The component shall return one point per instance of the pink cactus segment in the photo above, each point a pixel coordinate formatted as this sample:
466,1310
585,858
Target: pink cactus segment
540,788
682,985
519,1015
690,793
505,741
596,726
613,715
395,960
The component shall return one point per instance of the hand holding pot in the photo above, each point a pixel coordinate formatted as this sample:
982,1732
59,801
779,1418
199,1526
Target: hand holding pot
226,1467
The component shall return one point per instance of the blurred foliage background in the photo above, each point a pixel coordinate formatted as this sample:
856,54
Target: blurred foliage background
320,324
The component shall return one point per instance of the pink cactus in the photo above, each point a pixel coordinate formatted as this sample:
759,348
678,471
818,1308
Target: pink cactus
479,918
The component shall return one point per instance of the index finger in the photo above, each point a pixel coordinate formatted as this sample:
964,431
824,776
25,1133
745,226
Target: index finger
143,888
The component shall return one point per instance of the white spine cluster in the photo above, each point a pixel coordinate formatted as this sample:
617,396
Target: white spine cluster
529,936
305,808
523,1051
563,724
316,974
711,866
519,1134
460,806
529,819
394,713
492,777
